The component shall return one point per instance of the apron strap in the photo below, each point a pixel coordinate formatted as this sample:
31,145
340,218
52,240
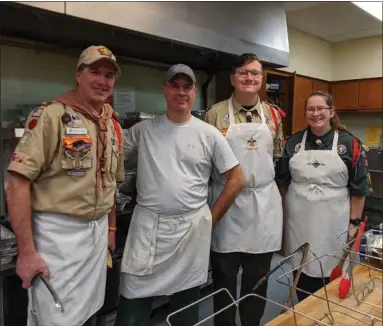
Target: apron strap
263,119
335,142
303,143
231,111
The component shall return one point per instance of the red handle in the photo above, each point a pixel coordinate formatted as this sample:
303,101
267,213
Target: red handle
359,236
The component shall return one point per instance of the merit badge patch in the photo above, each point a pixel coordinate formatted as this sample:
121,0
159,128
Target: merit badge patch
75,121
252,144
32,124
342,149
36,113
17,157
24,139
226,118
297,147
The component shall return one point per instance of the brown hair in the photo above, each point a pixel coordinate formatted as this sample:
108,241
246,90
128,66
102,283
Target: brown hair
334,121
243,59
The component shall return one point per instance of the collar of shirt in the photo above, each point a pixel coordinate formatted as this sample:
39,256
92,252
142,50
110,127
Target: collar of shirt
238,107
324,141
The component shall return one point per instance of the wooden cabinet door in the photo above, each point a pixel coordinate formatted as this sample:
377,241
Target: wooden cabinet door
319,85
303,88
262,92
370,94
346,95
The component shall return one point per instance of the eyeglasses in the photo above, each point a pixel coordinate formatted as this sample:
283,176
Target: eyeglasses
243,73
319,109
175,87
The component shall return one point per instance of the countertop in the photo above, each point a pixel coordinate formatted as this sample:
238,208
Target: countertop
316,308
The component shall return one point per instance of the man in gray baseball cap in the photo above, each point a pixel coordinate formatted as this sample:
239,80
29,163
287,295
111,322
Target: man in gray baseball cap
168,245
180,69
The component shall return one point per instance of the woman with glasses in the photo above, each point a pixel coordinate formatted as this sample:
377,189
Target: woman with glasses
323,180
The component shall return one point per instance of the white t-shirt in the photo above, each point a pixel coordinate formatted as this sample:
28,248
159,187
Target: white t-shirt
174,162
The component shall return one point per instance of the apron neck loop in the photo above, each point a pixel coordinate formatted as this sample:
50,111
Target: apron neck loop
231,111
334,142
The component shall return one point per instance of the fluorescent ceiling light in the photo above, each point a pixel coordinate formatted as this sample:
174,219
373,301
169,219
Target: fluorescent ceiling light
373,8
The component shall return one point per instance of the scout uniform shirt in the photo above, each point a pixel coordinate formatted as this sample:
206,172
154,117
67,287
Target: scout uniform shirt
218,116
60,158
350,150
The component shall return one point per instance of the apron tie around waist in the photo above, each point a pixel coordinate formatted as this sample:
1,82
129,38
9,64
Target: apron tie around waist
317,189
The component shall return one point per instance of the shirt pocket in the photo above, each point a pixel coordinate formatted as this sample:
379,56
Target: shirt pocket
76,153
76,161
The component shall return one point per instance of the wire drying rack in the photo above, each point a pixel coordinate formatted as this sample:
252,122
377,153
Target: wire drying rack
356,307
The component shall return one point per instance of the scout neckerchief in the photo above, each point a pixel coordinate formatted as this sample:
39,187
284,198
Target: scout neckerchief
74,100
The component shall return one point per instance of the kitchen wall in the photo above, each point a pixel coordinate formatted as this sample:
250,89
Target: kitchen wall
31,76
354,59
361,58
309,55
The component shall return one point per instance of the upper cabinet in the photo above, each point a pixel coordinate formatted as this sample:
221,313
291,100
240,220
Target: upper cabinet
303,87
371,94
345,95
319,85
360,95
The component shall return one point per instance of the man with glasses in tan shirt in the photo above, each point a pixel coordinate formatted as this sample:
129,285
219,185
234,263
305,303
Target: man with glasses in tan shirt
251,230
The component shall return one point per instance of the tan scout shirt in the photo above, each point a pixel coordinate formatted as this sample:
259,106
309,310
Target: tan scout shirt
218,116
56,186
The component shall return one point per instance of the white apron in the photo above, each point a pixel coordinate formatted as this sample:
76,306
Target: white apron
165,254
75,252
317,205
253,223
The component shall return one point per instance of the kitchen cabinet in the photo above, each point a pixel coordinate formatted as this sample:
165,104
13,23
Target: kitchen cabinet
371,94
345,95
303,87
319,85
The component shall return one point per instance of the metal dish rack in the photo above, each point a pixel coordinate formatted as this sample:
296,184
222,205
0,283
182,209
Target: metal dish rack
8,246
353,306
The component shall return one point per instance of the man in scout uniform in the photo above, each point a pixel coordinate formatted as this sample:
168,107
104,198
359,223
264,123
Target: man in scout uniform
61,195
168,245
251,230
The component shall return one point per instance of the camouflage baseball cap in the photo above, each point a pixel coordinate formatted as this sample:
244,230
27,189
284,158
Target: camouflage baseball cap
180,69
97,52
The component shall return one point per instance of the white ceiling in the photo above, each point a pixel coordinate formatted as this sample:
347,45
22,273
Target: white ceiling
332,21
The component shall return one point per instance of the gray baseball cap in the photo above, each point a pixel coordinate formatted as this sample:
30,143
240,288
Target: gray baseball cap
180,69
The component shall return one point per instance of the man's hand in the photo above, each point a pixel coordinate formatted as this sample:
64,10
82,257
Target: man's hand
112,240
29,265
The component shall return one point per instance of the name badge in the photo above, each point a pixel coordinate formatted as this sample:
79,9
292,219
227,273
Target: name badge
76,173
76,131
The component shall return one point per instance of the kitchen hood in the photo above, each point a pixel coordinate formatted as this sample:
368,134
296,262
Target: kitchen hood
204,35
233,27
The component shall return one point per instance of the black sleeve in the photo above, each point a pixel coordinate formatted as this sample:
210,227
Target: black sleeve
282,170
358,171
